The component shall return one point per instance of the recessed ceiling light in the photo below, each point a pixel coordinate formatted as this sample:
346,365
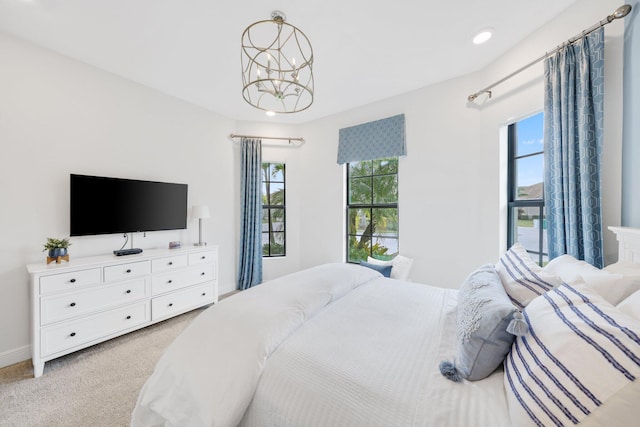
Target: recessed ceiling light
270,113
482,36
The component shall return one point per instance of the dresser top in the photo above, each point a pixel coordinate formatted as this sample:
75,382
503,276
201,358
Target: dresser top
110,259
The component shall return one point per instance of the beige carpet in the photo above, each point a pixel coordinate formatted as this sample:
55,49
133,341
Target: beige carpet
97,386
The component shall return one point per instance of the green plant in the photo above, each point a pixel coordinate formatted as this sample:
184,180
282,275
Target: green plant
56,243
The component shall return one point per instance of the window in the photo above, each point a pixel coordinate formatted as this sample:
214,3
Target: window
273,210
372,209
526,211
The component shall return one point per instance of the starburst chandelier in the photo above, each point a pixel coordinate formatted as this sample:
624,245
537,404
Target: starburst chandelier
277,66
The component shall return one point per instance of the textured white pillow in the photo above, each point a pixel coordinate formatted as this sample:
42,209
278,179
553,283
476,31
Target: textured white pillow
631,305
401,266
522,278
581,356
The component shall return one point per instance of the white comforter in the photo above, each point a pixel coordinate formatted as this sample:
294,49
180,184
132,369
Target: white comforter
336,345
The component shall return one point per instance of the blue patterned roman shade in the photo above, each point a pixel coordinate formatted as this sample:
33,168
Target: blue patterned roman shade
373,140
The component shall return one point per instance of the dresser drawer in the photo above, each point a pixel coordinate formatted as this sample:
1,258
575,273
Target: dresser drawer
68,281
180,279
75,333
126,271
202,257
169,263
178,302
70,304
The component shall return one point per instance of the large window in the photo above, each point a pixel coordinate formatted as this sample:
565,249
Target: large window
372,209
273,210
526,212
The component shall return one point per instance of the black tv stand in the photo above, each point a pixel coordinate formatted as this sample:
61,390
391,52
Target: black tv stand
131,251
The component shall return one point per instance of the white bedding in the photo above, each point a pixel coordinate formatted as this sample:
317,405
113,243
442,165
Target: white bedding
333,345
318,377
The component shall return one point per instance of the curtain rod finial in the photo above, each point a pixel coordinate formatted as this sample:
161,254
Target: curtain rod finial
621,12
474,96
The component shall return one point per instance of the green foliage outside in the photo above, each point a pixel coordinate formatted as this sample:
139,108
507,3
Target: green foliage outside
373,182
273,212
525,222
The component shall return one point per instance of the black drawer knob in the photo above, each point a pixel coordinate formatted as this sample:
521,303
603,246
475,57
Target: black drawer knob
203,273
128,291
73,334
170,304
128,317
73,280
170,262
129,270
204,293
170,281
73,304
203,257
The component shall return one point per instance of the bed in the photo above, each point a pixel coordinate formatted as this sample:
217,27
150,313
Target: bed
340,345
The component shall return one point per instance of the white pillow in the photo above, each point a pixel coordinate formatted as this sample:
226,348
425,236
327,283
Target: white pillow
581,356
610,285
400,266
631,305
522,278
625,268
568,268
630,275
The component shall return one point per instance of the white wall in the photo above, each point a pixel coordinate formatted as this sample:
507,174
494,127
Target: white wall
59,116
450,184
631,148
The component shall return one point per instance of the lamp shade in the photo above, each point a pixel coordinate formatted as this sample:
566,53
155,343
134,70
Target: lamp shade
198,212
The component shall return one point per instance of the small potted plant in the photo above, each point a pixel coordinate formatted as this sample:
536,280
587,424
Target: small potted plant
56,247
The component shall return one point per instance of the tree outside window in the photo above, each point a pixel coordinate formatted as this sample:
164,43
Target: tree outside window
372,209
273,210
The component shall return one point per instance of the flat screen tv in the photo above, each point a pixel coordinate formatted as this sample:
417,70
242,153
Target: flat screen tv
102,205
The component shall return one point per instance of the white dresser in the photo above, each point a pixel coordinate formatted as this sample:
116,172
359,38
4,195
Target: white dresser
86,301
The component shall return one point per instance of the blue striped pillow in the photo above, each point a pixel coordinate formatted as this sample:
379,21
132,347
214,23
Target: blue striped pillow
580,353
522,278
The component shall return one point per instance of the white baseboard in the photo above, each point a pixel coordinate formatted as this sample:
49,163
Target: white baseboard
226,288
15,356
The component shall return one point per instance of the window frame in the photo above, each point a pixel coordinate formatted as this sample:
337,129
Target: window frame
370,206
513,203
270,207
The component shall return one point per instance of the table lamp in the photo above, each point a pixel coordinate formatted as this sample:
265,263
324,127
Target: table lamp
200,212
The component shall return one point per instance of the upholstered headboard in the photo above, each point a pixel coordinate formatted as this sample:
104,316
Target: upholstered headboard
628,243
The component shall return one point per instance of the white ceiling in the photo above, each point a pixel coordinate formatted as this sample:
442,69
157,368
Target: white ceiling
364,50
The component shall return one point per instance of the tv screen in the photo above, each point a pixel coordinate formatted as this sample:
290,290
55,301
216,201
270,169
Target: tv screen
102,205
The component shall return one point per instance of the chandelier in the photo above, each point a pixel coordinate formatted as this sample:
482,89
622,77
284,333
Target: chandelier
277,62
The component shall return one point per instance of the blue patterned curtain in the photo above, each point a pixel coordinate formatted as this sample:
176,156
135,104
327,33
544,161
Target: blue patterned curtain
250,268
574,89
373,140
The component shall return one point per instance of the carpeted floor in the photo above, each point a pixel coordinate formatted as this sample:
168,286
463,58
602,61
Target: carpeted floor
97,386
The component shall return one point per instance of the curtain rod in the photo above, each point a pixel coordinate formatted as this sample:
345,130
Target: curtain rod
301,140
620,12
